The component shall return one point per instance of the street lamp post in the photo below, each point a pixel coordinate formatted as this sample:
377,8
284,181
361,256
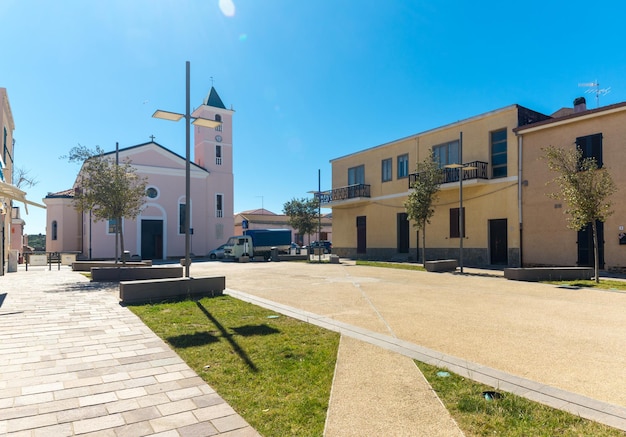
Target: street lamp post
319,215
199,121
461,167
318,196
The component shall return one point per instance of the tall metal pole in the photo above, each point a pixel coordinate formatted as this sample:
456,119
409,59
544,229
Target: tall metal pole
90,234
117,224
319,215
187,173
461,227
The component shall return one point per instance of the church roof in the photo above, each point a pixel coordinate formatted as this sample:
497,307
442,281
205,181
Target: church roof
213,99
69,193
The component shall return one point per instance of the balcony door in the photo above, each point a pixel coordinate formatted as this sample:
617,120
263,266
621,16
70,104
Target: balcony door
585,245
498,245
361,234
402,229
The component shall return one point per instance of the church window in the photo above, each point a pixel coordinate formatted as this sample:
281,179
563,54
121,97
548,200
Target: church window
181,218
152,193
112,226
219,205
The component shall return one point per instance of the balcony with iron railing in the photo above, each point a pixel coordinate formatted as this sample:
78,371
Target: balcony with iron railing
350,192
475,170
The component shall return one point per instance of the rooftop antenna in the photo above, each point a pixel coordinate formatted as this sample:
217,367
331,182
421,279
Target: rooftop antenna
594,87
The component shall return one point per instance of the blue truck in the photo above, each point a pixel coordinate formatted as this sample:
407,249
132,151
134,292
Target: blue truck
258,242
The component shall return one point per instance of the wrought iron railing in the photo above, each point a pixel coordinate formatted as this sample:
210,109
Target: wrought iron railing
479,170
344,193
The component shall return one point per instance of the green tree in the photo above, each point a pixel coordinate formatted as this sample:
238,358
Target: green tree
110,190
420,203
585,188
303,215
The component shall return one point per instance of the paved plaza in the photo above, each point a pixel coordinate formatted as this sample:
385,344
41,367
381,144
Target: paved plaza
75,362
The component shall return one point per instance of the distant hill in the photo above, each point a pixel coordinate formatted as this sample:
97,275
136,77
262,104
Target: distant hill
37,241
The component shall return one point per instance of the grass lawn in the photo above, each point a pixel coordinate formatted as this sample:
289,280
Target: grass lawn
274,370
389,265
277,373
508,416
605,284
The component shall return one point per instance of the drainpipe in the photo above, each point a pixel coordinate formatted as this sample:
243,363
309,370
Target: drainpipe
519,196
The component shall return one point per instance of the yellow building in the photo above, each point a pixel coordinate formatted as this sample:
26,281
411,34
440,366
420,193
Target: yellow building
369,189
546,240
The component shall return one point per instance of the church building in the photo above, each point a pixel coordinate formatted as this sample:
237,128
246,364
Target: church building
159,230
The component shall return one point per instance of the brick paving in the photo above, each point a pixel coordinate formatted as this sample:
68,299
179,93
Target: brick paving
74,362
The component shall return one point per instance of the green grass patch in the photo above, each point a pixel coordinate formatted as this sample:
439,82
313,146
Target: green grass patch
604,284
389,265
274,370
277,373
508,416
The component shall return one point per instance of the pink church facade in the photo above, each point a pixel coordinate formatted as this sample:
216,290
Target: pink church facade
158,232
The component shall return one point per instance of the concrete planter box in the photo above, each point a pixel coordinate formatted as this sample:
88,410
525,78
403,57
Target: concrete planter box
85,266
535,274
37,260
161,290
134,273
293,257
68,258
441,265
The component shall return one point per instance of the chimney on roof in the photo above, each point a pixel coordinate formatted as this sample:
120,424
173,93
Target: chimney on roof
580,105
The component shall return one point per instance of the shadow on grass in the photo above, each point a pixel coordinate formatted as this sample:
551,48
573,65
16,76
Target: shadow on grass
191,340
229,338
250,330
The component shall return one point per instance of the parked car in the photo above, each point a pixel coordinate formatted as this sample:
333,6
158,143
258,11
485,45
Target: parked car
325,244
217,253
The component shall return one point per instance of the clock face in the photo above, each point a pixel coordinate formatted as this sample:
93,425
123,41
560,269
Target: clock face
218,138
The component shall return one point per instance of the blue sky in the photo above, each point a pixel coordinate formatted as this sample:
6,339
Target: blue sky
309,80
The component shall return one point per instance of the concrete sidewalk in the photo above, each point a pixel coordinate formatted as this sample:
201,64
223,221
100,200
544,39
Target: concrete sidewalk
558,346
74,362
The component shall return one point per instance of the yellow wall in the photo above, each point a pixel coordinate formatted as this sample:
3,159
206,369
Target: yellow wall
546,238
483,199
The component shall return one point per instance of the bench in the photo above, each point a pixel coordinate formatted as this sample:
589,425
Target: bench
135,273
535,274
161,290
441,265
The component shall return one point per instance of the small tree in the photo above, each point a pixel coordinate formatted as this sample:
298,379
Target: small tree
420,203
108,189
303,215
22,179
585,188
